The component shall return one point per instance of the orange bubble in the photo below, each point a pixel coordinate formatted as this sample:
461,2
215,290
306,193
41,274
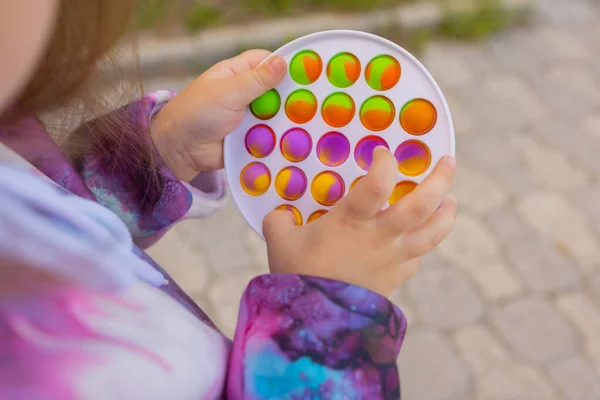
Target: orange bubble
390,76
338,110
313,67
316,215
327,188
352,70
293,210
401,190
255,179
418,117
337,116
377,113
383,72
301,106
414,158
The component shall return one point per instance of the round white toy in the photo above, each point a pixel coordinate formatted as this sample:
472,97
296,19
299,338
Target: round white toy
303,145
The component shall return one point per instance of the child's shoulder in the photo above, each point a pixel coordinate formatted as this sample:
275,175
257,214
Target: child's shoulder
44,227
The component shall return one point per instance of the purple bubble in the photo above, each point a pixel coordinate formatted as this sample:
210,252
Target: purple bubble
333,149
363,153
296,145
291,183
260,141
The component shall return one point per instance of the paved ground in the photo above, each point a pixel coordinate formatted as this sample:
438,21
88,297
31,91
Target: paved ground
509,307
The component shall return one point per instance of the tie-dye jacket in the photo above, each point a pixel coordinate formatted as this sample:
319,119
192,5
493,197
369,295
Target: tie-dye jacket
85,314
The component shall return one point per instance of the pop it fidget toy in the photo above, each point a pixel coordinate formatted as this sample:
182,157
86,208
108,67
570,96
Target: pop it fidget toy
304,145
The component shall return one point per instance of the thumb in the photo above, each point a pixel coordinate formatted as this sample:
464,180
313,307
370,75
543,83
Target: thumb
249,85
278,223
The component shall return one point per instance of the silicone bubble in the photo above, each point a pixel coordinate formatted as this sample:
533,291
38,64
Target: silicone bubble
260,141
266,106
333,149
338,110
418,117
306,67
316,215
401,190
255,178
377,113
327,188
355,182
291,183
296,145
293,210
343,70
363,153
383,72
301,106
414,158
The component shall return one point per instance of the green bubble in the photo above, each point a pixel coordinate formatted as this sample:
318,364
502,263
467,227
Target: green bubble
343,70
377,103
306,67
266,106
339,99
301,95
376,70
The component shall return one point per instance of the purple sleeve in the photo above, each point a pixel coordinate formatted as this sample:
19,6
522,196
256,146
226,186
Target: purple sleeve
127,175
306,338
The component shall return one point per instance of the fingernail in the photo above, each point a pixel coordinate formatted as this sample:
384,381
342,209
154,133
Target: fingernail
450,161
276,65
381,148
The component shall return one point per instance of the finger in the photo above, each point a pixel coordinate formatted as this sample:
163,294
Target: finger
249,59
236,65
433,232
245,87
278,223
417,206
372,192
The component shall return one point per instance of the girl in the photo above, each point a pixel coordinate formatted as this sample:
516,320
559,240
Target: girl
85,314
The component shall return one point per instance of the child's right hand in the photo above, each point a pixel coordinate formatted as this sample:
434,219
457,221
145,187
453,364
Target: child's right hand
357,242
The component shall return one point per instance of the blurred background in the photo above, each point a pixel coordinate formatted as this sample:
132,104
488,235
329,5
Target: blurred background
508,308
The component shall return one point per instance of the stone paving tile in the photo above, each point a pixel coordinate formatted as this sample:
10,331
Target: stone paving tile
427,356
508,307
542,264
479,347
186,264
536,331
445,298
551,214
497,280
582,313
577,378
548,166
478,192
515,382
471,244
587,199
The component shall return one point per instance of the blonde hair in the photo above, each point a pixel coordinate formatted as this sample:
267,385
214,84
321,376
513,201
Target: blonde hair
85,31
62,95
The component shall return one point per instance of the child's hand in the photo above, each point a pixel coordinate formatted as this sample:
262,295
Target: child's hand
189,131
358,243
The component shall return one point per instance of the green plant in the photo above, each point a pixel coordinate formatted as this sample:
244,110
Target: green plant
488,18
149,13
268,7
199,16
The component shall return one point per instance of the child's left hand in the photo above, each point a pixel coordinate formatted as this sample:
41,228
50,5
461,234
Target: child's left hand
189,131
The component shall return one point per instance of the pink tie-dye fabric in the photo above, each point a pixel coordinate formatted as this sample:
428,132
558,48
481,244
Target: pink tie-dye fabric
96,319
